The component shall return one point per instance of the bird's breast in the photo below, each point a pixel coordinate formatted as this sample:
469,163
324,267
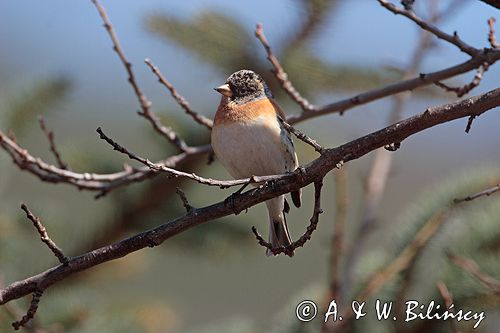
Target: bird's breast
251,147
231,112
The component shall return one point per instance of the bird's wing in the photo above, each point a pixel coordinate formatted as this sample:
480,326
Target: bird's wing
290,154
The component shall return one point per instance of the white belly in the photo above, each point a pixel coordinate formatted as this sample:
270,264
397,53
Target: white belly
253,148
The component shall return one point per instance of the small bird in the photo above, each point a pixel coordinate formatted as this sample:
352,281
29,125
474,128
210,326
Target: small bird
249,140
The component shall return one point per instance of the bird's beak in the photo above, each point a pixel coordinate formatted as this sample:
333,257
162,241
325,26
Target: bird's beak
224,90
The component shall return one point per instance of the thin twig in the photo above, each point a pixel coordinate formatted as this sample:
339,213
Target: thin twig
103,183
31,310
50,137
473,269
144,103
453,39
487,192
184,199
289,250
465,89
491,34
301,136
200,119
280,73
448,301
469,123
44,236
177,173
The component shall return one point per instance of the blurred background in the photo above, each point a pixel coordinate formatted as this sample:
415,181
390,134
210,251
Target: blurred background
56,60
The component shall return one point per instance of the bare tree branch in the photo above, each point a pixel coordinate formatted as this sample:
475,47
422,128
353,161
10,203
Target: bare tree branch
452,39
44,236
313,223
489,56
37,294
487,192
184,199
145,104
479,58
473,269
200,119
50,137
491,34
280,73
494,3
300,178
90,181
465,89
301,136
448,301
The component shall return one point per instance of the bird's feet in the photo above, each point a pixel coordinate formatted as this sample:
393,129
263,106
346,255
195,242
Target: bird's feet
230,199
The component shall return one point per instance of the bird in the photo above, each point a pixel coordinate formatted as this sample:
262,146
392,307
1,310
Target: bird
249,140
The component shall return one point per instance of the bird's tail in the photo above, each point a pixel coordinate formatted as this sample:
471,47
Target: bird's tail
278,229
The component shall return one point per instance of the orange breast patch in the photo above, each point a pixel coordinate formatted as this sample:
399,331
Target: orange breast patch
232,112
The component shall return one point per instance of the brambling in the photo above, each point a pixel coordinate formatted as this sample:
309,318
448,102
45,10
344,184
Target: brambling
249,140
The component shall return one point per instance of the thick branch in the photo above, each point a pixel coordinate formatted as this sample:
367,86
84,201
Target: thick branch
489,56
313,172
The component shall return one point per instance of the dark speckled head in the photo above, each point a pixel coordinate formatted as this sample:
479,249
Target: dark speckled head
246,86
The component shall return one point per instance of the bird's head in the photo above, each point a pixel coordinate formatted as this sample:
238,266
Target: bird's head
243,86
